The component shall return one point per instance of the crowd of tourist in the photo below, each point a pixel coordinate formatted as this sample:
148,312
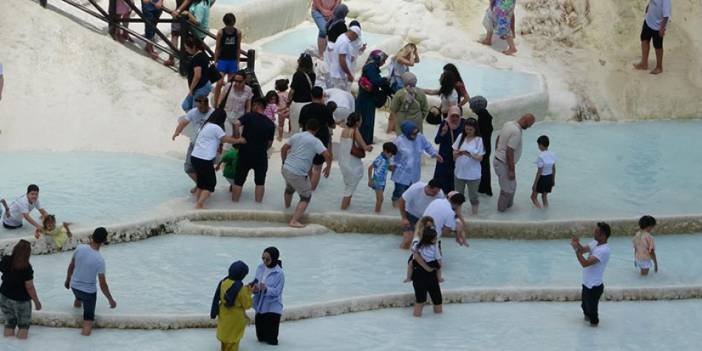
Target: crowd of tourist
240,129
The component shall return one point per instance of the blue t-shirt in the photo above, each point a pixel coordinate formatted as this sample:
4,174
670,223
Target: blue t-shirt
380,170
88,264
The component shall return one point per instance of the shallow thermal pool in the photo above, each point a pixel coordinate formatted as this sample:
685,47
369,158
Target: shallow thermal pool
657,325
604,170
178,273
489,82
297,40
89,188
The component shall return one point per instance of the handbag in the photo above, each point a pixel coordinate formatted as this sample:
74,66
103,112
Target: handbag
356,150
213,74
365,84
434,116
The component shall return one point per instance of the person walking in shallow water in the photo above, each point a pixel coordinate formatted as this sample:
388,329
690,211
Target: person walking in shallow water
17,290
654,28
508,149
86,264
229,304
268,296
593,270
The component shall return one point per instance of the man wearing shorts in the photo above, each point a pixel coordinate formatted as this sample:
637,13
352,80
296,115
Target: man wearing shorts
297,155
654,28
324,114
259,132
197,117
413,203
86,264
508,149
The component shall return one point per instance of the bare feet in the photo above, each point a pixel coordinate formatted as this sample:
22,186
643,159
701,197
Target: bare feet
486,41
535,201
657,70
510,51
641,66
199,206
296,224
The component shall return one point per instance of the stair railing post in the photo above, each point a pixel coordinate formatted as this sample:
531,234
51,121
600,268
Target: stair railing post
112,18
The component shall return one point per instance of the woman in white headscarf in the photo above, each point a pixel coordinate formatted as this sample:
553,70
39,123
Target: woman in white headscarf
409,103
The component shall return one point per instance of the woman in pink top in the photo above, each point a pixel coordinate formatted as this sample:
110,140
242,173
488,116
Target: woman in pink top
321,13
123,11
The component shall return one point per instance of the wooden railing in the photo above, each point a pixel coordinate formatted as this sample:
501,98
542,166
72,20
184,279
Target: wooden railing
114,22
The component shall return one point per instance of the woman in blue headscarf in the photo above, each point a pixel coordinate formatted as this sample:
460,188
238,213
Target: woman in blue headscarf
366,100
268,296
230,302
408,161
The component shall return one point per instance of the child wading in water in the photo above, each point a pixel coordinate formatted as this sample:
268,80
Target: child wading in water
230,158
425,276
281,87
59,234
644,246
229,304
272,101
545,178
378,171
424,222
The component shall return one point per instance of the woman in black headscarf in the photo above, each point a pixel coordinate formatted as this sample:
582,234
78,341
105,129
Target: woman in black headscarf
478,105
268,296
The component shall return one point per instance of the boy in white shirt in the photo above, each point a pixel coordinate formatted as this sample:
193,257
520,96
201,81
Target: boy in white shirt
644,246
545,178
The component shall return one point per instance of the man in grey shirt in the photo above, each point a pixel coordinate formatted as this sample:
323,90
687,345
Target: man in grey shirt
297,155
508,149
195,118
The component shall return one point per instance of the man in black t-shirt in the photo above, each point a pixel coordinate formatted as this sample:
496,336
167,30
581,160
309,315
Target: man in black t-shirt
324,114
259,131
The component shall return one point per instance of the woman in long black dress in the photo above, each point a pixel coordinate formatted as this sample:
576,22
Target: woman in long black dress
478,105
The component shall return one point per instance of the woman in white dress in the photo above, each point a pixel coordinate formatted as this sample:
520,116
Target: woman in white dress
351,165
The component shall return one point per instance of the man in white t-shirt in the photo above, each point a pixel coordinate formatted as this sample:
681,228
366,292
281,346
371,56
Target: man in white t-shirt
508,149
345,103
593,270
341,62
85,266
193,120
2,80
19,210
413,203
447,216
297,155
654,28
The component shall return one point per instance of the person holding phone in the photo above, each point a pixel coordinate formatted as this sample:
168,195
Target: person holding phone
268,296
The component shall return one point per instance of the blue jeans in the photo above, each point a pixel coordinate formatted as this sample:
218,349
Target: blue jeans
88,301
152,17
321,23
188,102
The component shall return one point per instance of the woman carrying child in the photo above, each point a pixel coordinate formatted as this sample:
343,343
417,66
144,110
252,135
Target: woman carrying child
426,267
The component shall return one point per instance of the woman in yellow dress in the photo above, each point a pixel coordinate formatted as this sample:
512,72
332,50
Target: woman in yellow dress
230,302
